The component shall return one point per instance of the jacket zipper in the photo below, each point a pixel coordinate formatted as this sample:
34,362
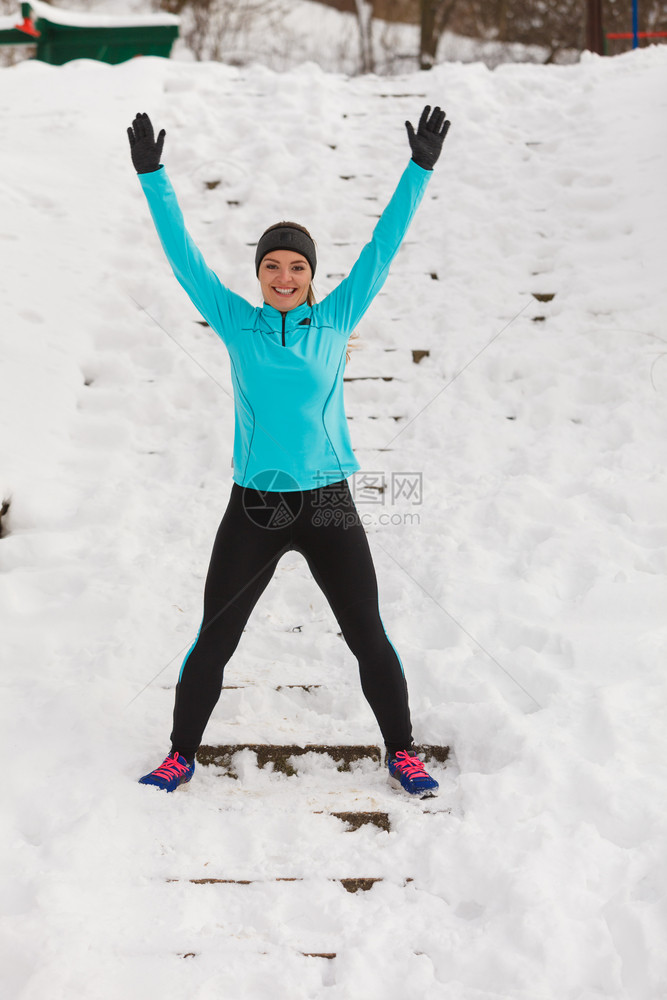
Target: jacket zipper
284,316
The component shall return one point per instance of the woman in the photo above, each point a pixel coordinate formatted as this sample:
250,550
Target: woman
292,451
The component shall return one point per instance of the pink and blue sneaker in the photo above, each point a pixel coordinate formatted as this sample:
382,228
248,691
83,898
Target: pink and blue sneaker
172,772
407,772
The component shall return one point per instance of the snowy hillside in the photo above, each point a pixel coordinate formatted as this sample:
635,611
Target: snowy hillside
525,593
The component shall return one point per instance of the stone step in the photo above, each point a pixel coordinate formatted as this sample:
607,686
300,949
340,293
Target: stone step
281,755
306,954
278,687
355,820
363,884
367,417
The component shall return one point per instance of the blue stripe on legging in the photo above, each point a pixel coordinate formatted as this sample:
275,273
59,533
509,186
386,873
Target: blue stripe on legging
187,655
392,645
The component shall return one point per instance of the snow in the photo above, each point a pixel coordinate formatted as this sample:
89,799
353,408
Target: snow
84,19
526,592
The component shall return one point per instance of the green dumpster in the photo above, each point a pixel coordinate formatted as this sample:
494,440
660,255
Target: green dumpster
62,35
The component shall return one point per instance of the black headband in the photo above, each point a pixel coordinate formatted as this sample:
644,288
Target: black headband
286,237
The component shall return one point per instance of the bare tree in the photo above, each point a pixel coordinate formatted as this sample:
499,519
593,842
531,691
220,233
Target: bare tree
436,15
225,29
365,21
594,30
218,29
555,27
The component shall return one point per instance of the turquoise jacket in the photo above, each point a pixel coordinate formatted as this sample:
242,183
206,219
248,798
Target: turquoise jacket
291,432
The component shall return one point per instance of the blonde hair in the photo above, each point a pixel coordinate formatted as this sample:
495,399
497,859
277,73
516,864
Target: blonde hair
350,346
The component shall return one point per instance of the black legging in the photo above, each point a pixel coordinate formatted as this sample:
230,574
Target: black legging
256,530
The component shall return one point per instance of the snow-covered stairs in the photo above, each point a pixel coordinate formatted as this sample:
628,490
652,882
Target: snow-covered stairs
357,806
346,835
344,843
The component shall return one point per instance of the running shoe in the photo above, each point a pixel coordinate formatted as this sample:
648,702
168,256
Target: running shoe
407,772
172,772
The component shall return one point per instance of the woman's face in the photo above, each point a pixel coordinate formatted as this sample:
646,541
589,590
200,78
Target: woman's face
285,279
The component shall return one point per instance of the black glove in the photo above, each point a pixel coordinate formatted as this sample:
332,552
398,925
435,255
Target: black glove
431,132
146,152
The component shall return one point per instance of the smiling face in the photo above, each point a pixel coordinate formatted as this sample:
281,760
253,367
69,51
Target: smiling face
285,278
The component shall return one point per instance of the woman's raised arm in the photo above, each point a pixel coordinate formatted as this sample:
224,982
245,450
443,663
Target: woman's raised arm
222,309
344,307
